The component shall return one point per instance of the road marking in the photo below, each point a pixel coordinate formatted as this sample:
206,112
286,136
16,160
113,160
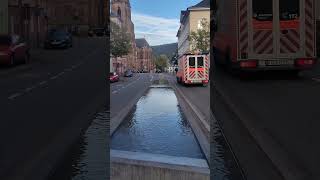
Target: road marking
14,96
62,73
54,77
43,83
316,79
67,70
30,88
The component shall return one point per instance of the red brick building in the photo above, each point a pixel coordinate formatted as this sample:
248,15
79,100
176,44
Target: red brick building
79,14
28,19
144,56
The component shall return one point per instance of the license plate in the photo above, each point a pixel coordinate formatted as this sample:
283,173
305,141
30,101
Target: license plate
196,81
276,62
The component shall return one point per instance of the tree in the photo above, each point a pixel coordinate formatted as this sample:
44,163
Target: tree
119,41
200,39
161,62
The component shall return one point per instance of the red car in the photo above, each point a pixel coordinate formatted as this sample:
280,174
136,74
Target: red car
113,77
13,49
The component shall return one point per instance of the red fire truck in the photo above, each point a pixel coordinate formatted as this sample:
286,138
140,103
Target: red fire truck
265,35
193,68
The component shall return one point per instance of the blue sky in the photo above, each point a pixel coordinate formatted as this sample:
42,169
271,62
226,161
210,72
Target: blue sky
158,20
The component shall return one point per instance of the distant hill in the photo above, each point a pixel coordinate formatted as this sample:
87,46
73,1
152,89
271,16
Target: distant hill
167,49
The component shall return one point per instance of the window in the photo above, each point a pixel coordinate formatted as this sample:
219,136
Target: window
289,9
262,10
119,12
192,61
200,61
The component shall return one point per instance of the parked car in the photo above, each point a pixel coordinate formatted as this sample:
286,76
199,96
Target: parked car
58,39
13,49
90,32
128,73
113,77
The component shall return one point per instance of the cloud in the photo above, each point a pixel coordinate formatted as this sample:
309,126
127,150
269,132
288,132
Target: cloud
157,30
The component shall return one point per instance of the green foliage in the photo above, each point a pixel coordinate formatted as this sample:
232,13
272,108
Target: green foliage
161,62
119,41
200,39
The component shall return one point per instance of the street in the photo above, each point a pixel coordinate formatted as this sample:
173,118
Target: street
271,118
46,104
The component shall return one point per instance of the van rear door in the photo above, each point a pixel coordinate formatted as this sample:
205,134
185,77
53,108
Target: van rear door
261,30
289,26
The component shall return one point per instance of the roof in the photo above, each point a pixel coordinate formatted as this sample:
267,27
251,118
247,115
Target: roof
202,4
142,42
183,13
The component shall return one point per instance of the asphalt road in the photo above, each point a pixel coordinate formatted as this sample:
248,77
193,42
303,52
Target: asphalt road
59,92
272,121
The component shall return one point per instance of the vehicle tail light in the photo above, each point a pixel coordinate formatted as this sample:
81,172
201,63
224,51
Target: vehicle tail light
189,82
248,64
305,62
205,81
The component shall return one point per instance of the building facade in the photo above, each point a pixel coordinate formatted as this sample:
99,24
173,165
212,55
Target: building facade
28,19
78,15
144,56
121,13
190,20
3,16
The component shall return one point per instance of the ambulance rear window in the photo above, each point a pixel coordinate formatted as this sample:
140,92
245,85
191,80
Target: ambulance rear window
200,61
192,61
262,10
289,9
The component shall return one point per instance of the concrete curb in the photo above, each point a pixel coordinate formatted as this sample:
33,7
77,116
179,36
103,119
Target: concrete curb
194,116
277,155
160,161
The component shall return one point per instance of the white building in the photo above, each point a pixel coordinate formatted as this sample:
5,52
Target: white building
190,20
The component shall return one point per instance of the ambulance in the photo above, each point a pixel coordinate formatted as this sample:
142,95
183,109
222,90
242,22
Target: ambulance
265,34
193,68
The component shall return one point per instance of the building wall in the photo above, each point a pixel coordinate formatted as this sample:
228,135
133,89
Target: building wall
129,61
195,18
317,9
3,16
28,21
190,24
183,42
144,59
